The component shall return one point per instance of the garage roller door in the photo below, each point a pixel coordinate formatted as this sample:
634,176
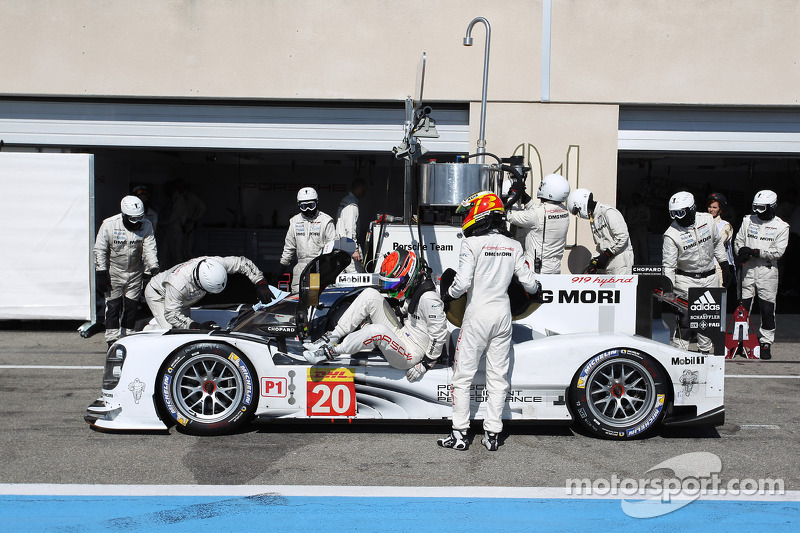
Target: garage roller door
680,129
177,125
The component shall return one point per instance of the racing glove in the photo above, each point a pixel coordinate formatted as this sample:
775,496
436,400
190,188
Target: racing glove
205,326
727,278
275,276
536,296
263,292
444,284
102,280
416,372
517,192
148,276
744,254
599,262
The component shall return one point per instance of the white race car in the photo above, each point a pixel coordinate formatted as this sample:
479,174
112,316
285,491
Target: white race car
577,358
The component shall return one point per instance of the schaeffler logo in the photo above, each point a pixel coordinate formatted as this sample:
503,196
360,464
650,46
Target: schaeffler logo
695,474
706,302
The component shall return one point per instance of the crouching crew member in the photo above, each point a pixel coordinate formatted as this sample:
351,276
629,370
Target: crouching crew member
171,294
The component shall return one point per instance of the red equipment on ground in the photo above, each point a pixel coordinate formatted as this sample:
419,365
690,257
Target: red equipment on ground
740,338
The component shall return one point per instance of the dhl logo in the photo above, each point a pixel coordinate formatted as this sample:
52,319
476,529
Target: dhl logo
331,374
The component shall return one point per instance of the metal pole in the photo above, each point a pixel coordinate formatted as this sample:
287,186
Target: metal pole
468,42
408,182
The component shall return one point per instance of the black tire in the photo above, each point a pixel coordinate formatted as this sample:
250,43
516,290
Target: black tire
208,388
619,394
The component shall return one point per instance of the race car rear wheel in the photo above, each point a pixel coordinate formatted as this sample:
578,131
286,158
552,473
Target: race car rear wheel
208,388
619,394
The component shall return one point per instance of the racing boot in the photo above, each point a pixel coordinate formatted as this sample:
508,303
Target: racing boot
765,350
319,355
327,338
490,441
456,440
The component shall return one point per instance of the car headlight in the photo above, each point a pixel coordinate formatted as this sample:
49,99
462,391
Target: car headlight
113,370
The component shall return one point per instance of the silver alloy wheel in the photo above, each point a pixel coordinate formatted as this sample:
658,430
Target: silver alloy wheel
207,388
620,392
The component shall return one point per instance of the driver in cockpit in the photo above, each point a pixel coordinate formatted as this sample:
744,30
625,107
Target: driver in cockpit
412,341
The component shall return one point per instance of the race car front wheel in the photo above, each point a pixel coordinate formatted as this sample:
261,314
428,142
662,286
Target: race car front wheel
619,394
208,388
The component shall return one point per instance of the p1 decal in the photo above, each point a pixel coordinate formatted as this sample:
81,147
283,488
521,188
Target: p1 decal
273,387
330,392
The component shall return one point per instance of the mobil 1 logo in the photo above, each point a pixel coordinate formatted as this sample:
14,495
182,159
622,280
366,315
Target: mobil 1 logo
707,314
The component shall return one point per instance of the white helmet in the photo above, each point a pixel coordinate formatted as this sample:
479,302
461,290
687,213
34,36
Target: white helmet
765,197
307,194
211,275
578,202
553,187
132,206
764,204
307,202
681,200
682,208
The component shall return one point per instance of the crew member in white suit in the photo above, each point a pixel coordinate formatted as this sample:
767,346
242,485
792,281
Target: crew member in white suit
309,232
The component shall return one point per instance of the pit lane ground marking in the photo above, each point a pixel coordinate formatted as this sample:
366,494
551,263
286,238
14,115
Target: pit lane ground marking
50,367
355,491
189,508
756,376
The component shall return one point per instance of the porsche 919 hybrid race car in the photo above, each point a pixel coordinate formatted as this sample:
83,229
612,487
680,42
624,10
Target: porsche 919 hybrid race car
583,356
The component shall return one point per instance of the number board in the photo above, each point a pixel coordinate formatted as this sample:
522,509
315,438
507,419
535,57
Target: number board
330,392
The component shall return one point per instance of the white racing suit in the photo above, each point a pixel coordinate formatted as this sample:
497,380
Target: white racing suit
725,231
347,223
688,258
486,265
423,333
544,227
126,255
306,239
610,234
760,274
171,294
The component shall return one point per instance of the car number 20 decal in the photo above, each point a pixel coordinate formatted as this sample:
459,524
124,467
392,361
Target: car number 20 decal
330,392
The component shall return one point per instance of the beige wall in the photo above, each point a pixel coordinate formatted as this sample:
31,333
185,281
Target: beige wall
579,141
679,51
603,51
279,49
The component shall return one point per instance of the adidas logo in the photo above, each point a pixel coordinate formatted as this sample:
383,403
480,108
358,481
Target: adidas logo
706,302
706,298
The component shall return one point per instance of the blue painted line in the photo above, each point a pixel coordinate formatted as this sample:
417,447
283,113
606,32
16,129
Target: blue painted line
275,512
